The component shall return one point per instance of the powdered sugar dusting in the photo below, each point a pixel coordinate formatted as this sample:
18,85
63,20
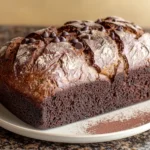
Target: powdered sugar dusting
42,61
52,54
126,115
23,54
125,118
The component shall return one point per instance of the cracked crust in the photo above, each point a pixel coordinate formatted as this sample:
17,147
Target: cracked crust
39,67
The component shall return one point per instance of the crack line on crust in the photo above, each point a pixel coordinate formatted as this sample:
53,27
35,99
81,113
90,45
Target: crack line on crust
87,50
11,52
71,28
109,25
120,46
114,36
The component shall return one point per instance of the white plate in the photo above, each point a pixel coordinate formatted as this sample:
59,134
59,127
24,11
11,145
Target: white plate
111,126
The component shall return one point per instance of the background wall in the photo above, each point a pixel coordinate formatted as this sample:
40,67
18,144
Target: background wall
46,12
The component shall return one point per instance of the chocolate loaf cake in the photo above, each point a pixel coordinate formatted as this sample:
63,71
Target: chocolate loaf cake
57,76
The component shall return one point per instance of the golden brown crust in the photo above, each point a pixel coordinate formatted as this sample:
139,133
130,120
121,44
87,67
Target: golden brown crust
53,59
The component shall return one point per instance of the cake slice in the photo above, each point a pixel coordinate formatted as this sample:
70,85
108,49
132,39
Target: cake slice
56,76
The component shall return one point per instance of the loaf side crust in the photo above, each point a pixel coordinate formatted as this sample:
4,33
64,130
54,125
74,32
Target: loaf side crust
57,76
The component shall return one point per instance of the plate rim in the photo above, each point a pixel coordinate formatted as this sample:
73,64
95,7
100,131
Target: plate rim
87,138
